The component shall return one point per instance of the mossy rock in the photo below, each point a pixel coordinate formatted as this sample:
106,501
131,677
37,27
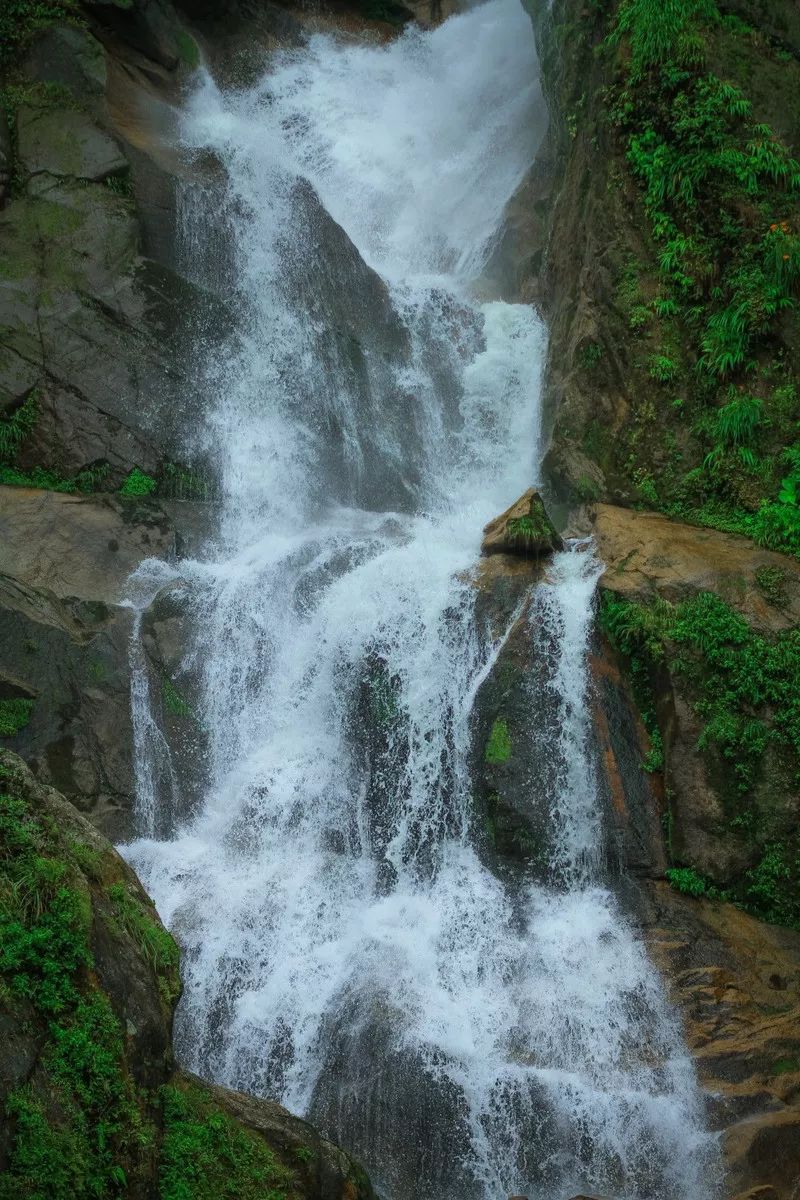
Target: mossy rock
525,529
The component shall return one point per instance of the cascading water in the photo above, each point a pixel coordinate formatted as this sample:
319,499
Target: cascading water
346,949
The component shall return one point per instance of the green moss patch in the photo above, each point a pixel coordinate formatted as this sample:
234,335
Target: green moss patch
698,123
76,1131
498,747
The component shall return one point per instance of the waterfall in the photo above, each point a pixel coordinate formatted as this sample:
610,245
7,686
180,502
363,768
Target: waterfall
345,947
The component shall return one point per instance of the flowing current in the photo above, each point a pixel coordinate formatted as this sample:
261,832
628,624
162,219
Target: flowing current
347,949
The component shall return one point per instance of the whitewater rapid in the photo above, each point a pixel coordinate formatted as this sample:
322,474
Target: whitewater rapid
345,948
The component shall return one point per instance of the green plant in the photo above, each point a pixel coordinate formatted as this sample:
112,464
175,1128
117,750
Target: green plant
17,426
14,715
746,686
590,355
662,368
498,747
45,960
174,702
772,583
39,477
686,880
138,483
207,1156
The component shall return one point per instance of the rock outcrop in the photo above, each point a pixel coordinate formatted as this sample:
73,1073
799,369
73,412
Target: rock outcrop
647,555
92,1103
65,639
525,528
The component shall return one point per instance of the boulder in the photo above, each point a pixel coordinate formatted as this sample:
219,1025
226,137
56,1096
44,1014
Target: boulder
65,141
523,529
72,57
82,547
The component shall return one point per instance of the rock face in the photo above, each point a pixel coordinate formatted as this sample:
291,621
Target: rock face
93,381
65,640
736,982
90,1097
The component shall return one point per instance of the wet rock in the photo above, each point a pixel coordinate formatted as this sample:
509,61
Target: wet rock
736,983
765,1147
73,58
65,639
327,1173
633,798
66,142
121,1012
82,547
523,529
141,993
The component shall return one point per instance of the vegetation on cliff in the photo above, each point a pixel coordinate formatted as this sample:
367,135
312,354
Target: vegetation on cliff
743,688
696,129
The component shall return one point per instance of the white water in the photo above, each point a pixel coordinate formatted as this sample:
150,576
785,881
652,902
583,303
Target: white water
346,949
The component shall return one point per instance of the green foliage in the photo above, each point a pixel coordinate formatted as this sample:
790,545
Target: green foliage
663,32
687,880
772,887
498,747
184,483
662,368
39,477
14,715
207,1156
720,193
590,355
654,759
138,483
747,687
71,1145
15,428
772,583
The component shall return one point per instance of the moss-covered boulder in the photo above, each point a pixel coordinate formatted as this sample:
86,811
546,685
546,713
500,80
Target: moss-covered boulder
91,1103
524,529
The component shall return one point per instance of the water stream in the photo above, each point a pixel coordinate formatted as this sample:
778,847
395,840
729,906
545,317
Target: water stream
346,947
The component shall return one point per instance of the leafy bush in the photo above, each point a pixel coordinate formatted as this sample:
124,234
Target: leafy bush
747,687
138,483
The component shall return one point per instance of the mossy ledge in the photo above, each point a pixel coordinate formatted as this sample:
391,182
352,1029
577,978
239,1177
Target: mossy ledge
92,1103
